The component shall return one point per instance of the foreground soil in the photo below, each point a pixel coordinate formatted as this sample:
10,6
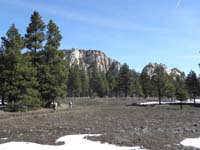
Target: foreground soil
156,128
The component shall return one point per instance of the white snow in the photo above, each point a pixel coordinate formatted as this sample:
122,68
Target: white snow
4,138
71,142
191,142
156,103
170,102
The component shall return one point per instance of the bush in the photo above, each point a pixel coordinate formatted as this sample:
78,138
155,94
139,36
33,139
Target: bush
23,105
15,108
181,95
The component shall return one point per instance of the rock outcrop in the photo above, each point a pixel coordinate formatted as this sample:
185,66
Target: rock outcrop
149,69
87,58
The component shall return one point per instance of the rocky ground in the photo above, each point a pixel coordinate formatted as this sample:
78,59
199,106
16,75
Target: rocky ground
156,128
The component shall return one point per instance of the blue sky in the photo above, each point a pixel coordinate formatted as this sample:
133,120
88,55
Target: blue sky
133,31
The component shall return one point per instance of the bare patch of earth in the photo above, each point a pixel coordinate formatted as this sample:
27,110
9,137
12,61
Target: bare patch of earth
155,128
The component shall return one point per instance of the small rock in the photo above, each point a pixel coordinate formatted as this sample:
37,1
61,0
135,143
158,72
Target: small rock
87,129
145,130
167,145
187,129
160,130
122,131
195,125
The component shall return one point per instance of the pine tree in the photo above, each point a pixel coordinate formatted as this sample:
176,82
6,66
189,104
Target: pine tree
192,85
103,82
29,83
35,33
74,81
170,89
98,82
135,87
145,81
84,83
2,60
35,37
53,70
12,45
159,79
17,80
53,35
124,79
112,83
181,95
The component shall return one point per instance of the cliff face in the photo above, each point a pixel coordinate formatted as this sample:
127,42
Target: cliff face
149,69
87,58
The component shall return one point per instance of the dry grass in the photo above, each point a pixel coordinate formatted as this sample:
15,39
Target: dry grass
156,128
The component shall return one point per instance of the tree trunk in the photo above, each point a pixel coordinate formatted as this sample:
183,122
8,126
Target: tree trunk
194,99
181,105
159,96
3,101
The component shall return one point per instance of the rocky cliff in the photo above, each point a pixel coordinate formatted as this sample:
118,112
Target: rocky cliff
87,58
151,67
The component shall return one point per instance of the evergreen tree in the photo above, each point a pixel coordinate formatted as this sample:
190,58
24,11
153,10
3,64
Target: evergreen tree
74,81
52,72
104,84
17,75
35,33
192,85
159,79
181,95
53,35
84,83
112,83
124,79
13,40
35,37
180,86
2,60
98,83
29,83
170,89
135,87
12,45
145,81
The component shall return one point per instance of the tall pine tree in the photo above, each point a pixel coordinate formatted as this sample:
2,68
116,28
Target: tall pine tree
52,72
124,81
84,83
35,36
159,79
145,81
35,33
98,82
192,85
74,81
19,84
112,83
12,45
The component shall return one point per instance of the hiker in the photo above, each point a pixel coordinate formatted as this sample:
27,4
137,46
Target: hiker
70,104
54,105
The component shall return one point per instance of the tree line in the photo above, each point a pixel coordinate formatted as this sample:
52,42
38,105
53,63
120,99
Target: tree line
129,83
37,77
41,74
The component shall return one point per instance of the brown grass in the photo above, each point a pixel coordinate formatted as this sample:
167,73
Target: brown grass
156,128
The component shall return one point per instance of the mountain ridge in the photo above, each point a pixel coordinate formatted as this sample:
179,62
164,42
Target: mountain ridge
87,58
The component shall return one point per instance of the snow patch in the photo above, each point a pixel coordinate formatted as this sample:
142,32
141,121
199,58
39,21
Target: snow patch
171,102
4,138
71,142
191,142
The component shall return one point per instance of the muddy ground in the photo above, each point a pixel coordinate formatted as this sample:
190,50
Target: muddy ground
154,127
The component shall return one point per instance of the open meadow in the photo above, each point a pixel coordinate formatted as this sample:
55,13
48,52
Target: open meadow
153,127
